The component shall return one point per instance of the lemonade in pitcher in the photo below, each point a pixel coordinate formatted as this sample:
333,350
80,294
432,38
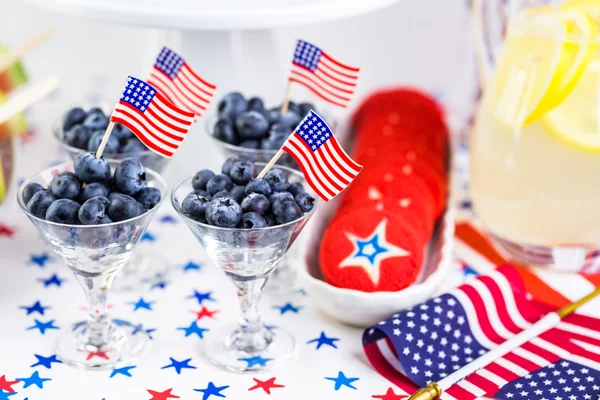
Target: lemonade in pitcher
535,151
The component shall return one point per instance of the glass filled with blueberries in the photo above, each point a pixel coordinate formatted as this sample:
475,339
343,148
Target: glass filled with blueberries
246,225
93,214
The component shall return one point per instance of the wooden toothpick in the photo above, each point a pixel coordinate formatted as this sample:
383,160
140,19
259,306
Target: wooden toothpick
25,98
15,55
107,133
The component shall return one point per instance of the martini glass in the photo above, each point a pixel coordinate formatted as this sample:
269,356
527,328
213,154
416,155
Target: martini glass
96,254
248,257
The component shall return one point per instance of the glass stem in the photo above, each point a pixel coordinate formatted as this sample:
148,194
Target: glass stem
96,288
252,335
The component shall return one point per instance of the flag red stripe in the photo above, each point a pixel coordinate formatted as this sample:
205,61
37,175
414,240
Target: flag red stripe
322,168
164,84
482,383
332,69
305,170
482,316
459,393
147,121
339,64
191,71
545,354
589,355
142,137
166,123
521,362
330,168
338,159
345,157
197,100
173,111
333,78
139,117
500,303
584,321
502,372
324,86
525,307
328,83
316,92
389,372
307,161
185,75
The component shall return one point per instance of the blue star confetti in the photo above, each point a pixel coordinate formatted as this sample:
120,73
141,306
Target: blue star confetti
159,285
34,379
179,365
212,390
324,340
142,304
46,361
140,328
256,360
201,296
287,307
43,326
5,395
122,371
167,219
36,307
40,260
191,266
53,280
342,380
148,237
194,329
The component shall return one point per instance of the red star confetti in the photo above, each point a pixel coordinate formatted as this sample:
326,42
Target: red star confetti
99,354
6,385
162,395
389,395
7,231
204,312
266,385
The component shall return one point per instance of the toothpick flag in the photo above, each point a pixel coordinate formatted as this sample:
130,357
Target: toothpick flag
183,86
325,76
159,124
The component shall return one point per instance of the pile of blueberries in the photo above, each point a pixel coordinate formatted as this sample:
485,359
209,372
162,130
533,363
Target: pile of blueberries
92,195
85,130
247,123
235,199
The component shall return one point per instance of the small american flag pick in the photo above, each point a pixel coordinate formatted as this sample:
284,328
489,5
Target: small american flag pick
326,166
432,340
159,124
183,86
325,76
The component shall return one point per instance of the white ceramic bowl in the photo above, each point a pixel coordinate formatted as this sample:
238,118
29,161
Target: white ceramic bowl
364,309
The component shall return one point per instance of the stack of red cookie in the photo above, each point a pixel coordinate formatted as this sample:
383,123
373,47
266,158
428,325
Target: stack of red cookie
377,239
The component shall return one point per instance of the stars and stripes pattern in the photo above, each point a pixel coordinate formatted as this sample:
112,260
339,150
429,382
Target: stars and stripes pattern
322,74
326,166
179,83
159,124
432,340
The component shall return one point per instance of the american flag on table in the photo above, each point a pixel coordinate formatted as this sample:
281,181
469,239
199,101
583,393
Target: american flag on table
430,341
325,76
159,124
326,166
175,79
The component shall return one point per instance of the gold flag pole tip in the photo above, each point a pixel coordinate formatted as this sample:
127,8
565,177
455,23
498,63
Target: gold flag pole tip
432,391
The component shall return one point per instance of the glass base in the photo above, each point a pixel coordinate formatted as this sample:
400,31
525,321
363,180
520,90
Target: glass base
283,280
145,270
558,258
124,347
277,348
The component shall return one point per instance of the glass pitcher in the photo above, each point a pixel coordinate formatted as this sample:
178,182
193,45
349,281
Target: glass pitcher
535,149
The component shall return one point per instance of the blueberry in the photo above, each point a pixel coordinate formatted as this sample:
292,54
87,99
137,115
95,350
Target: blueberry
278,134
114,195
104,200
29,190
255,104
202,193
251,125
259,186
270,219
78,136
295,108
277,179
133,145
295,188
73,117
226,168
273,114
201,178
257,203
223,212
96,121
149,197
252,220
124,207
217,183
305,108
232,105
112,146
225,132
92,211
253,144
122,133
290,119
268,144
280,197
238,193
65,186
223,194
130,176
63,211
93,190
105,220
194,206
95,110
241,172
89,169
305,201
39,203
287,211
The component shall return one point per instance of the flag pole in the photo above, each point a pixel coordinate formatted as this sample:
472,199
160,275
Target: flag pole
434,390
270,164
15,55
26,98
286,98
109,129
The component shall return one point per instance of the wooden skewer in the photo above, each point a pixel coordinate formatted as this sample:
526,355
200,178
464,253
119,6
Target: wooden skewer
26,98
10,58
286,98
